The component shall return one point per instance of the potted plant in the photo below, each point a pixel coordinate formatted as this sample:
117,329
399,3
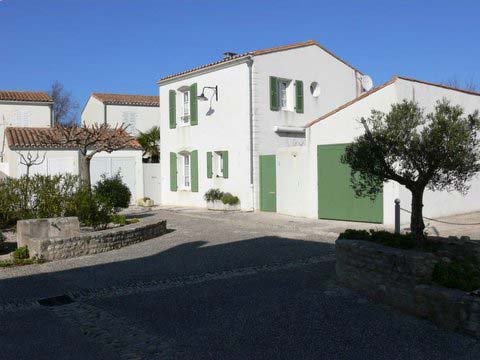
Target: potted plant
218,200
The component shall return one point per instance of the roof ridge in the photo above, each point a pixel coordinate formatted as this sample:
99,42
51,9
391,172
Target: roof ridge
258,53
470,92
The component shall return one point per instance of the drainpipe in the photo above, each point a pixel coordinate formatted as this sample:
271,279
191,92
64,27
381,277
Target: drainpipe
52,116
105,114
250,95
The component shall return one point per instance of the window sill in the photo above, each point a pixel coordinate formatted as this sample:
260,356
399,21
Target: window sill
185,190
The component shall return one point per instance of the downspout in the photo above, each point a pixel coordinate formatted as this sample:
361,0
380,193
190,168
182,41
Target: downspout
250,94
52,116
357,91
105,114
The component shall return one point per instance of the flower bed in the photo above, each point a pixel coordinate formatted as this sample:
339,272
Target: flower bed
96,241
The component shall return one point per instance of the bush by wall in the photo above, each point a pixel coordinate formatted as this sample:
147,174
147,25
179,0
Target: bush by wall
113,191
41,196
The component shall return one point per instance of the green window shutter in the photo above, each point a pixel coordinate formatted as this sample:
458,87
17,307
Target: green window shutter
225,164
299,96
273,93
209,165
172,99
173,172
194,170
193,105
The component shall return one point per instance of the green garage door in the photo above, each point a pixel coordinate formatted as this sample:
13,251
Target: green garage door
336,198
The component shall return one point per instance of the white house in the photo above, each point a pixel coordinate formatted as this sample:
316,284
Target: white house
311,181
138,112
21,109
253,104
26,116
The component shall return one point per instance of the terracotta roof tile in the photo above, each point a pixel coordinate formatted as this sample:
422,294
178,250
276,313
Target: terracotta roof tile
127,99
257,53
6,95
19,138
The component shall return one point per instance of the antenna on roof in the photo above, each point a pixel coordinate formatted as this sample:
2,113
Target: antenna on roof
367,82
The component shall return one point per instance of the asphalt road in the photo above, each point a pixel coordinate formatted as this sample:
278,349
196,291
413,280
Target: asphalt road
219,286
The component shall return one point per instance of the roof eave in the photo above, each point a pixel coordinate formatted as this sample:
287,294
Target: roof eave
205,70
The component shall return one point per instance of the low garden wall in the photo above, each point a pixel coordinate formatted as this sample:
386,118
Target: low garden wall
96,241
402,279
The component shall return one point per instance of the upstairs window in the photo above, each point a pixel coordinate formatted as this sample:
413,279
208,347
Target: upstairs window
185,114
283,94
129,119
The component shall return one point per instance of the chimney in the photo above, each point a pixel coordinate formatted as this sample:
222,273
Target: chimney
229,55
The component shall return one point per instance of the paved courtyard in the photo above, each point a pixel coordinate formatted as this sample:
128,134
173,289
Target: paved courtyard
218,286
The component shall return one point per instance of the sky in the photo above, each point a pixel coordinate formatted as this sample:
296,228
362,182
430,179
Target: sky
125,46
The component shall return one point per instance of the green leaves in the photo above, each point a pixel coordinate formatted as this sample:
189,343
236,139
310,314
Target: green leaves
150,142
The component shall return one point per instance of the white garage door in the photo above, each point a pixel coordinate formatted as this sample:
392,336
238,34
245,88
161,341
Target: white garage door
110,166
54,166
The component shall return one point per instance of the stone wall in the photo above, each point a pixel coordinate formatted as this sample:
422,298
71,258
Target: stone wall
401,278
96,241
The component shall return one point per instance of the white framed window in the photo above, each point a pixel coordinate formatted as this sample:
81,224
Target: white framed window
185,114
285,94
21,118
184,171
129,119
218,164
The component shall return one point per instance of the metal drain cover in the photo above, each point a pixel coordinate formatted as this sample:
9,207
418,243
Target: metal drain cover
56,300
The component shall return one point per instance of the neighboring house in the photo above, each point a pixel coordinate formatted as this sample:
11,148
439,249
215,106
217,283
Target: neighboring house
138,112
311,181
21,109
253,104
26,116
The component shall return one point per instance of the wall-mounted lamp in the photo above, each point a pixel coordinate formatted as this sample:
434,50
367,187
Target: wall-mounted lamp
202,96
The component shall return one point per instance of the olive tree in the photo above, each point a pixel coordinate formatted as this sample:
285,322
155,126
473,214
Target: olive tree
435,151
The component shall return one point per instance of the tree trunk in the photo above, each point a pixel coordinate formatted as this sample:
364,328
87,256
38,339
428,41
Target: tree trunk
85,169
417,226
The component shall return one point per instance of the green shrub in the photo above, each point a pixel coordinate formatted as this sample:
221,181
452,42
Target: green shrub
21,253
119,219
352,234
212,195
91,209
401,241
458,274
230,199
36,196
113,191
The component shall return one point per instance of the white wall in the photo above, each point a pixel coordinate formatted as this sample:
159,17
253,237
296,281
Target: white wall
93,112
136,155
344,126
145,116
152,182
440,203
55,162
338,85
22,114
225,127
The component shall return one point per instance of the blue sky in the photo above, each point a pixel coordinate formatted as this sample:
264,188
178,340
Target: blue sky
124,46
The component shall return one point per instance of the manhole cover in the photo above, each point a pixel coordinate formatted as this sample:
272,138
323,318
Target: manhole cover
56,301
